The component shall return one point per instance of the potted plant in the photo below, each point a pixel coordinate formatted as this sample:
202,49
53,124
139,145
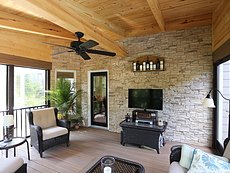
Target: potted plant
77,121
65,98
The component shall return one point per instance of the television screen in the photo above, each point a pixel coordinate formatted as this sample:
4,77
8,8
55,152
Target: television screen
146,98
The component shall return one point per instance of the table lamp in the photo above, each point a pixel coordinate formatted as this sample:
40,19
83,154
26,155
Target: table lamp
8,120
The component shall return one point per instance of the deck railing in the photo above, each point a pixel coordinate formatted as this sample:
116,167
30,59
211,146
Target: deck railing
21,122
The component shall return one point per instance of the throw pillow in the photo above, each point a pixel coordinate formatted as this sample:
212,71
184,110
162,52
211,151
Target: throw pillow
186,156
208,163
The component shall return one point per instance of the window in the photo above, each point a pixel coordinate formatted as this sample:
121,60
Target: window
69,75
29,87
3,94
3,74
223,85
21,88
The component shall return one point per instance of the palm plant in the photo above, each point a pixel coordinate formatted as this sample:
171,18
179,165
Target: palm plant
65,98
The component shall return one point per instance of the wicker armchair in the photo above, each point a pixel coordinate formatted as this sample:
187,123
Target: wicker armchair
175,153
46,130
175,156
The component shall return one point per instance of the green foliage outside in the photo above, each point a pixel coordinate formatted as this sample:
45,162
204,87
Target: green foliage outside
65,98
33,91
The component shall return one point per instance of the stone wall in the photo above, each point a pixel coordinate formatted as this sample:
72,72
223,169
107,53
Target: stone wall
185,82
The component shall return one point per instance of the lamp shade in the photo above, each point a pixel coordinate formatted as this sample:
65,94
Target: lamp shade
208,102
8,120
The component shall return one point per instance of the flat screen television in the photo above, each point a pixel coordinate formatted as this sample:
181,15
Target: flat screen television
146,99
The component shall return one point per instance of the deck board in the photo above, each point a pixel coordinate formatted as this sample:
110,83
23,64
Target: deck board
87,145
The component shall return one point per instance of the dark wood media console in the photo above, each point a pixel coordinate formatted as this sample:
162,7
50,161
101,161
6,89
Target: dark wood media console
142,134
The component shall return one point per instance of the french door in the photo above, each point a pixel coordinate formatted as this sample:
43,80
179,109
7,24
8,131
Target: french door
99,108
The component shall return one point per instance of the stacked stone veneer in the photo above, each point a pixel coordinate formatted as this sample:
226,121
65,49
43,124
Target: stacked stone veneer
185,82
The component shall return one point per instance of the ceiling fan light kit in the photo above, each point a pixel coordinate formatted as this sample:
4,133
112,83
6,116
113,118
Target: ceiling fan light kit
82,48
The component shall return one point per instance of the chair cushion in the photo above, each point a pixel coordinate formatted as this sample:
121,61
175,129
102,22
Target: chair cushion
227,151
176,168
52,132
205,162
44,118
10,165
186,156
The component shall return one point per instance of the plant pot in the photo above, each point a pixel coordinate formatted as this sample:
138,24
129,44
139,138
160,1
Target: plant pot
76,126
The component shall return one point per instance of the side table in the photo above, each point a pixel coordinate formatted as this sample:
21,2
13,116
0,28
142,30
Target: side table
16,141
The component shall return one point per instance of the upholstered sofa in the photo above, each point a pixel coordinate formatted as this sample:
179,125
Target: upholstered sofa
184,158
12,165
46,130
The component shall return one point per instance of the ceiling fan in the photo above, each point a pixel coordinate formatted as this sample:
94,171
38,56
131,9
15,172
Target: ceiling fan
82,48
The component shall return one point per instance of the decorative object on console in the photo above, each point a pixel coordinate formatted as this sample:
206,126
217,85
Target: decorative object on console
160,122
8,120
208,102
127,118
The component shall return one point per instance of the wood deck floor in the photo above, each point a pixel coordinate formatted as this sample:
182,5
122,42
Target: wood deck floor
86,147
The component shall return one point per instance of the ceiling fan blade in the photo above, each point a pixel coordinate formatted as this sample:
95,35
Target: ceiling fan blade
62,52
101,52
57,45
85,56
88,44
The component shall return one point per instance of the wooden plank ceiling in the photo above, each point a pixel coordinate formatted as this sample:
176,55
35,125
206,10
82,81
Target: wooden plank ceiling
104,21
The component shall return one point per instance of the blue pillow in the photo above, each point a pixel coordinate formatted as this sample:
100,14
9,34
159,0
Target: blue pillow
208,163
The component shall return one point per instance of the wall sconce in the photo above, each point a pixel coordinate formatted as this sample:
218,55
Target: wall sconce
208,102
8,120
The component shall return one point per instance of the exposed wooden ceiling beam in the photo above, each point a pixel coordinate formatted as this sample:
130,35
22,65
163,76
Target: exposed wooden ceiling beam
95,19
155,8
64,15
24,45
178,24
15,22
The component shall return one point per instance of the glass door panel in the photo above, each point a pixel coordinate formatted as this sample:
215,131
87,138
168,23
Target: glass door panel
99,99
223,85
